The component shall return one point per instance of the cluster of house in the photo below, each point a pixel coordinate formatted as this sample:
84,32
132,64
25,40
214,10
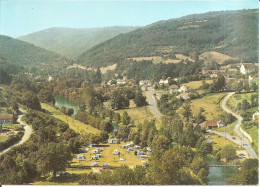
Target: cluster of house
244,68
6,118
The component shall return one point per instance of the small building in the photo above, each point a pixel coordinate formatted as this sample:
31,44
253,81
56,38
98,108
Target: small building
212,124
165,82
94,164
173,89
140,153
137,147
142,156
252,78
120,82
255,116
148,149
112,141
98,156
81,157
184,88
247,68
115,152
6,118
83,150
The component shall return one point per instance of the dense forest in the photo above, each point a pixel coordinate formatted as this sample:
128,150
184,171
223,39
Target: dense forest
234,33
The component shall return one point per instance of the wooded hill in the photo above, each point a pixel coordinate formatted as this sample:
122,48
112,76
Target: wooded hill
71,42
14,52
234,33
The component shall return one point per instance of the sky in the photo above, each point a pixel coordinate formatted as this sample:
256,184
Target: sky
22,17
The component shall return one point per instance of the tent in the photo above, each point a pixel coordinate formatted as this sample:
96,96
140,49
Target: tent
94,164
129,149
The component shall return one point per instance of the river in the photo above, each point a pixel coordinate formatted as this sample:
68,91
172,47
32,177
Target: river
219,175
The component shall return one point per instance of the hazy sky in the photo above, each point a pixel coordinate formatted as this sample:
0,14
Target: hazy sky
21,17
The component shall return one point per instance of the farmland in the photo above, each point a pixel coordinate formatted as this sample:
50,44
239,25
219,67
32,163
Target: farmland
214,56
196,84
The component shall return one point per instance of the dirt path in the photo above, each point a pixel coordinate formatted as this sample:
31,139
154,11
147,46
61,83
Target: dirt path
27,132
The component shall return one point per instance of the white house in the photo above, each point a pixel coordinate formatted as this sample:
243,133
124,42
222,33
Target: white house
120,81
184,88
50,78
247,68
173,89
166,81
252,78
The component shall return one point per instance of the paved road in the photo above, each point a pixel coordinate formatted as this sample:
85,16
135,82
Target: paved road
152,102
27,132
244,140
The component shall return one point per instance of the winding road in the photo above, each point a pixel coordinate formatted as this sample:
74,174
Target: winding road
244,141
27,132
152,102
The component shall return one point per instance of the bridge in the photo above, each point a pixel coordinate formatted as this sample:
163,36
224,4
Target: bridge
225,165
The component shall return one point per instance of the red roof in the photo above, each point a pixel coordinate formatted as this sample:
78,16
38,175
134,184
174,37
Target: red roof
6,116
213,123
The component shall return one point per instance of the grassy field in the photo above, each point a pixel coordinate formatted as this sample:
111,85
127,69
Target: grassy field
237,98
214,56
140,114
196,84
113,160
76,125
3,139
210,103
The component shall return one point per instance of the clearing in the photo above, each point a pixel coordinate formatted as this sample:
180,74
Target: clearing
194,85
210,103
214,56
76,125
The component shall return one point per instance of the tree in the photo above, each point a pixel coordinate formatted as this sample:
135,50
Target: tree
45,95
123,132
198,163
186,111
103,136
200,117
126,118
53,158
69,111
117,118
245,105
30,99
119,101
254,86
139,99
160,142
228,152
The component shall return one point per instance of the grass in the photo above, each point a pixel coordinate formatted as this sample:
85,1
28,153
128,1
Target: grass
237,98
9,126
3,110
140,114
3,139
76,125
210,103
229,129
194,85
130,159
214,56
253,132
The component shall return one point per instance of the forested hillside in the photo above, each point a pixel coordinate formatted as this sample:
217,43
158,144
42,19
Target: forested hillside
20,53
234,33
71,42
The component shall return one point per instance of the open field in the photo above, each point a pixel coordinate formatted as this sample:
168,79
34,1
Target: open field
238,98
140,114
158,59
196,84
130,159
210,103
214,56
76,125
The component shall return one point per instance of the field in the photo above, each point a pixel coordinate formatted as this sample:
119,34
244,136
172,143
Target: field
139,114
196,84
76,125
3,139
214,56
158,59
253,132
112,160
237,98
210,103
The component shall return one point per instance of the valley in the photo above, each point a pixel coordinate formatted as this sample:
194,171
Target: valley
174,102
